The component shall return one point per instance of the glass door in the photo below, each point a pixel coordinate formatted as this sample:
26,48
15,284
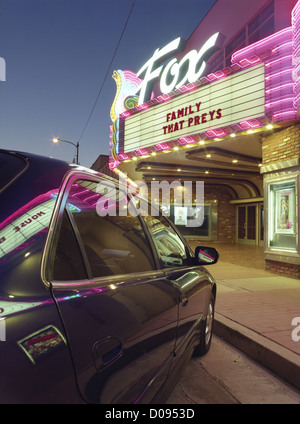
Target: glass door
247,224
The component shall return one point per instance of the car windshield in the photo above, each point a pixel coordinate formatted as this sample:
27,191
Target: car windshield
10,167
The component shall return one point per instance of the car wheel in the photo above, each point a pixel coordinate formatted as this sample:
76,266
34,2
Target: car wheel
206,330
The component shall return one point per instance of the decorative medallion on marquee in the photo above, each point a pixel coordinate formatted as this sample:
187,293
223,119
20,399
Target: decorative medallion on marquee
125,99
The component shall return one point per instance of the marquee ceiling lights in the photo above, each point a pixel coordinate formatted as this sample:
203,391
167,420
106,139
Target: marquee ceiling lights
159,149
162,169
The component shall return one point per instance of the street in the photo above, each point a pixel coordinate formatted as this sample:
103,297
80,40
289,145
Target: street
227,376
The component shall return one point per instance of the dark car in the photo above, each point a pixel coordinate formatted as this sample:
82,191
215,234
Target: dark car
97,304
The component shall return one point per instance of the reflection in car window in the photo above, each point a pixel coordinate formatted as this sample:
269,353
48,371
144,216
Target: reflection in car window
170,248
68,261
114,243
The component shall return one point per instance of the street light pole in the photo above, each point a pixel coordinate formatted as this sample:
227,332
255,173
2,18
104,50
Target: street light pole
57,140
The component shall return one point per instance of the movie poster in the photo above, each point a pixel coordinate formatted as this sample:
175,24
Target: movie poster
180,215
285,211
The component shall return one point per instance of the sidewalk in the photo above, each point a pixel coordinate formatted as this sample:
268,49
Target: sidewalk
255,308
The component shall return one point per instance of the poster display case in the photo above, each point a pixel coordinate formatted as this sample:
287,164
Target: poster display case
282,214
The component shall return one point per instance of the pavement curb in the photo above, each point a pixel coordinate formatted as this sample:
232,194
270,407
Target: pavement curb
277,358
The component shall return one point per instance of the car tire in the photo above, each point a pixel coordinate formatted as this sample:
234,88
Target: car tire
206,330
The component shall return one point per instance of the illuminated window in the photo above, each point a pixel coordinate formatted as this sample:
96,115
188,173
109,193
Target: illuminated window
191,214
282,215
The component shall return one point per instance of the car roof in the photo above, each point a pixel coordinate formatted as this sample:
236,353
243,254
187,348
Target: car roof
33,158
39,164
44,162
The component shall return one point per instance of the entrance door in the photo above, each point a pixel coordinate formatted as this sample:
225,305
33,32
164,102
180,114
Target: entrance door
247,224
261,224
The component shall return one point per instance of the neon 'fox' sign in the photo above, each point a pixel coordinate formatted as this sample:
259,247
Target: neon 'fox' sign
175,74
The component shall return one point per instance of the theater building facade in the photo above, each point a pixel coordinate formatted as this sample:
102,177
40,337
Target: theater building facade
222,108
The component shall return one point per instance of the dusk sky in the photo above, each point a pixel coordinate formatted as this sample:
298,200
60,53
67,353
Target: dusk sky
57,53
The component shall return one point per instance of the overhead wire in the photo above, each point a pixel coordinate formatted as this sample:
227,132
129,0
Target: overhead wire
108,69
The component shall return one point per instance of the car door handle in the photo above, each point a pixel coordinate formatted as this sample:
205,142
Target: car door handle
106,351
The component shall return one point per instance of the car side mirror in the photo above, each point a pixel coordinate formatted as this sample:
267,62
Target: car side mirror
206,255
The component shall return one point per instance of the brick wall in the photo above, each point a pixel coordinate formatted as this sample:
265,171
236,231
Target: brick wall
289,270
278,147
226,213
281,145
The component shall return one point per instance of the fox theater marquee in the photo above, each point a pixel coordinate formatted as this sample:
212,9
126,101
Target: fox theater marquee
222,108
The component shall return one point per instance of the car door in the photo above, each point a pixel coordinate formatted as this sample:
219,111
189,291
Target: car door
181,270
120,312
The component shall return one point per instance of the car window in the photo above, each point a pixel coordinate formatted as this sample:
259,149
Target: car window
113,242
68,261
169,246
